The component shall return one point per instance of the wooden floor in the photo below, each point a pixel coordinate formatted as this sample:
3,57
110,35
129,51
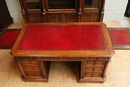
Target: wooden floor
118,73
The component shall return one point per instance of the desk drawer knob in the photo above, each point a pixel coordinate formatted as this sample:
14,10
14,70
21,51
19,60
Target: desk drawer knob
60,58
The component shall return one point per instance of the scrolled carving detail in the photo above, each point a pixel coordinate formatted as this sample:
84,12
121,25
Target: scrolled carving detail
63,58
103,59
70,17
55,17
25,58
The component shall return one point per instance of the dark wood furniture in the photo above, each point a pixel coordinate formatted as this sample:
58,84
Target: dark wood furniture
34,11
127,11
5,18
88,43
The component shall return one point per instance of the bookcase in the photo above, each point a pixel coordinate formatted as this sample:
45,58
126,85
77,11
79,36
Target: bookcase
5,18
34,11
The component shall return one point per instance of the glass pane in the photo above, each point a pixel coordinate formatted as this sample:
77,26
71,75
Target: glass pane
91,4
33,4
61,4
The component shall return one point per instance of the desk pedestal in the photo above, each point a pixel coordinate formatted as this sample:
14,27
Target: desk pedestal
32,69
92,69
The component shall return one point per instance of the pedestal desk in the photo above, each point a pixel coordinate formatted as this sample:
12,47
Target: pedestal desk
40,43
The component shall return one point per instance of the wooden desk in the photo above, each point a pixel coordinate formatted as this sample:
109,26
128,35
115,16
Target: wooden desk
88,43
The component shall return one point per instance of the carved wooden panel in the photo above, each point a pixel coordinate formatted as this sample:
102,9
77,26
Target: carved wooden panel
62,17
71,18
90,17
54,18
62,58
34,18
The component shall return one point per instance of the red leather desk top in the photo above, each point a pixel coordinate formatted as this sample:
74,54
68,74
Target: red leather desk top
71,37
64,39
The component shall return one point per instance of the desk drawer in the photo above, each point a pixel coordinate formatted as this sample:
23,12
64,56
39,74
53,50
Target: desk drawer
89,64
31,69
98,74
92,69
29,63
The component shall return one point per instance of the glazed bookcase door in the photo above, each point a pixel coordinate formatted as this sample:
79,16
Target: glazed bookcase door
33,4
33,10
61,4
91,4
61,10
91,10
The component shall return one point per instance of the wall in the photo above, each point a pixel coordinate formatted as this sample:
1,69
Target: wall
114,11
15,10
